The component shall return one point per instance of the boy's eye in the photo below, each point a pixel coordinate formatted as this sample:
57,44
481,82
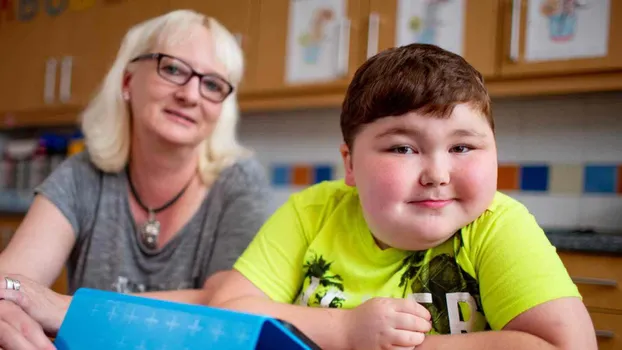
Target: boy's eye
461,149
403,150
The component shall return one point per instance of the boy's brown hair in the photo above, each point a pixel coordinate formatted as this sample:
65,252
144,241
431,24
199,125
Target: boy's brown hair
418,78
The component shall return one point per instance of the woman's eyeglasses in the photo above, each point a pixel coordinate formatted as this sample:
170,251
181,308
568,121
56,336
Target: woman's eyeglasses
172,69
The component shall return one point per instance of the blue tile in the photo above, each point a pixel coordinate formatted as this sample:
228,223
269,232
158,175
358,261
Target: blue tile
322,173
600,179
281,175
534,178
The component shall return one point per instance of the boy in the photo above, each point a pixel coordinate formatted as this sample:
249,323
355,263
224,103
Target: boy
415,247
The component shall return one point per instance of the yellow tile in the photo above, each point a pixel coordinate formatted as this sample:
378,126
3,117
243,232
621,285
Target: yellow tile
566,178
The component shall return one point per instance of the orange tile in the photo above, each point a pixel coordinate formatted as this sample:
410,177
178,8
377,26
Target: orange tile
619,179
301,175
507,177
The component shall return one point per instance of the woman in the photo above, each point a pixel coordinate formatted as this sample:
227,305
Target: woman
165,196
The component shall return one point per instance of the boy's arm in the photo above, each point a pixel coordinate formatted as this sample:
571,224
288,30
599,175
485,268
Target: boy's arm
557,324
268,276
324,326
527,295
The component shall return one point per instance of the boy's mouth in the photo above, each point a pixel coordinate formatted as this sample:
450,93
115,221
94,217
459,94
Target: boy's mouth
432,203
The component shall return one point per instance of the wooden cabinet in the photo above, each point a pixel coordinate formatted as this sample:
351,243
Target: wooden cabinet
239,18
95,37
29,73
608,330
274,21
479,39
59,61
10,64
517,22
599,279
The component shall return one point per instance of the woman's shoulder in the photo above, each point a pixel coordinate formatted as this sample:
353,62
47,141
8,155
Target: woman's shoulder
75,168
247,171
80,163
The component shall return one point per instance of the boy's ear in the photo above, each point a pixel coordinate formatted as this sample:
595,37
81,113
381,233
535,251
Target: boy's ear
346,155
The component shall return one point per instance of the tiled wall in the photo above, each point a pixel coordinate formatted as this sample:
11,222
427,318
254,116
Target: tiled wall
561,156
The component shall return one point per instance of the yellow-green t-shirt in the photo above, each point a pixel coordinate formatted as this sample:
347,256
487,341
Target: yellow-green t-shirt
317,250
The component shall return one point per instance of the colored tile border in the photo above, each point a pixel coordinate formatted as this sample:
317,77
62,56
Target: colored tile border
570,179
600,179
283,175
507,177
534,178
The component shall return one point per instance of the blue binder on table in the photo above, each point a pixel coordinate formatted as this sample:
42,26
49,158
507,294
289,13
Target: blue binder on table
107,320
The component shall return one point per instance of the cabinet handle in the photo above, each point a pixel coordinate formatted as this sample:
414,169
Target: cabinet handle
515,35
605,334
373,31
343,53
49,82
65,79
595,281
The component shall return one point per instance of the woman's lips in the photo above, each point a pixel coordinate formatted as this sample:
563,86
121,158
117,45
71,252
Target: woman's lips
181,117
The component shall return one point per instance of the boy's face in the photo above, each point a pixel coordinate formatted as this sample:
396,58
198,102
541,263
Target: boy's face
420,178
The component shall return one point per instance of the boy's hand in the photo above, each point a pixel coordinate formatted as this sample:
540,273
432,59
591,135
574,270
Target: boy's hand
386,323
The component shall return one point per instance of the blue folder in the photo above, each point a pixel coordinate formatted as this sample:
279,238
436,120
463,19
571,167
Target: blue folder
107,320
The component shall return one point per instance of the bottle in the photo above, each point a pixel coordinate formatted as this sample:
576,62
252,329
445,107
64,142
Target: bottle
76,144
38,164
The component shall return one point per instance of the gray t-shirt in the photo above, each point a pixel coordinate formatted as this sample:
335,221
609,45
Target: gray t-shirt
108,254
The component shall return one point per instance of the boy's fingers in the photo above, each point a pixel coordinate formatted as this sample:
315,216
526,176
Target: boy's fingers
408,322
414,308
406,339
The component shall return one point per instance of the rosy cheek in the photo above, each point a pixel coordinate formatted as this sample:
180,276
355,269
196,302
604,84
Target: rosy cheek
473,176
384,179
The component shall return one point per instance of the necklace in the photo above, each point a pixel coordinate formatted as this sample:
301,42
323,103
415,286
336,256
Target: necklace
150,230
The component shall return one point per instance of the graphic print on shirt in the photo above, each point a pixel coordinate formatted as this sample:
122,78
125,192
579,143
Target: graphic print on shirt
125,285
323,288
436,280
433,278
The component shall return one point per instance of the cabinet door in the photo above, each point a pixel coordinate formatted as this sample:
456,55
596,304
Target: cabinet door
608,327
96,39
33,35
11,66
560,37
468,28
308,46
236,16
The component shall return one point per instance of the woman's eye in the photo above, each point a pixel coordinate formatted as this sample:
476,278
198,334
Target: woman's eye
461,149
403,150
211,85
171,69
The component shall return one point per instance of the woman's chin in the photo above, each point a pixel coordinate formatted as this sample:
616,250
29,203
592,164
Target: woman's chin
180,138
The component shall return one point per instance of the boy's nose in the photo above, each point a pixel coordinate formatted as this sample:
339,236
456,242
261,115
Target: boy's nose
435,173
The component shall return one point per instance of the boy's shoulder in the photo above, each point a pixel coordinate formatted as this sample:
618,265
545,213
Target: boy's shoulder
504,212
503,203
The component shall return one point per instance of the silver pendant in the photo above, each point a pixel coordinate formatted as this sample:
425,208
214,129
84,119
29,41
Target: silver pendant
150,231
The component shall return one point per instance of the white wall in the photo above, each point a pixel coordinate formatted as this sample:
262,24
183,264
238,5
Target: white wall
573,129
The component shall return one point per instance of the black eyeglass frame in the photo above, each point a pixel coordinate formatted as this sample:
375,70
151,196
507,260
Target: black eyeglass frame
158,56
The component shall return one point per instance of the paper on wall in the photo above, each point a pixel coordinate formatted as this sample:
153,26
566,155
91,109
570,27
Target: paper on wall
567,29
438,22
313,40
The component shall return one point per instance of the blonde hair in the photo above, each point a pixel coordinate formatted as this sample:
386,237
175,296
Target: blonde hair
106,119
